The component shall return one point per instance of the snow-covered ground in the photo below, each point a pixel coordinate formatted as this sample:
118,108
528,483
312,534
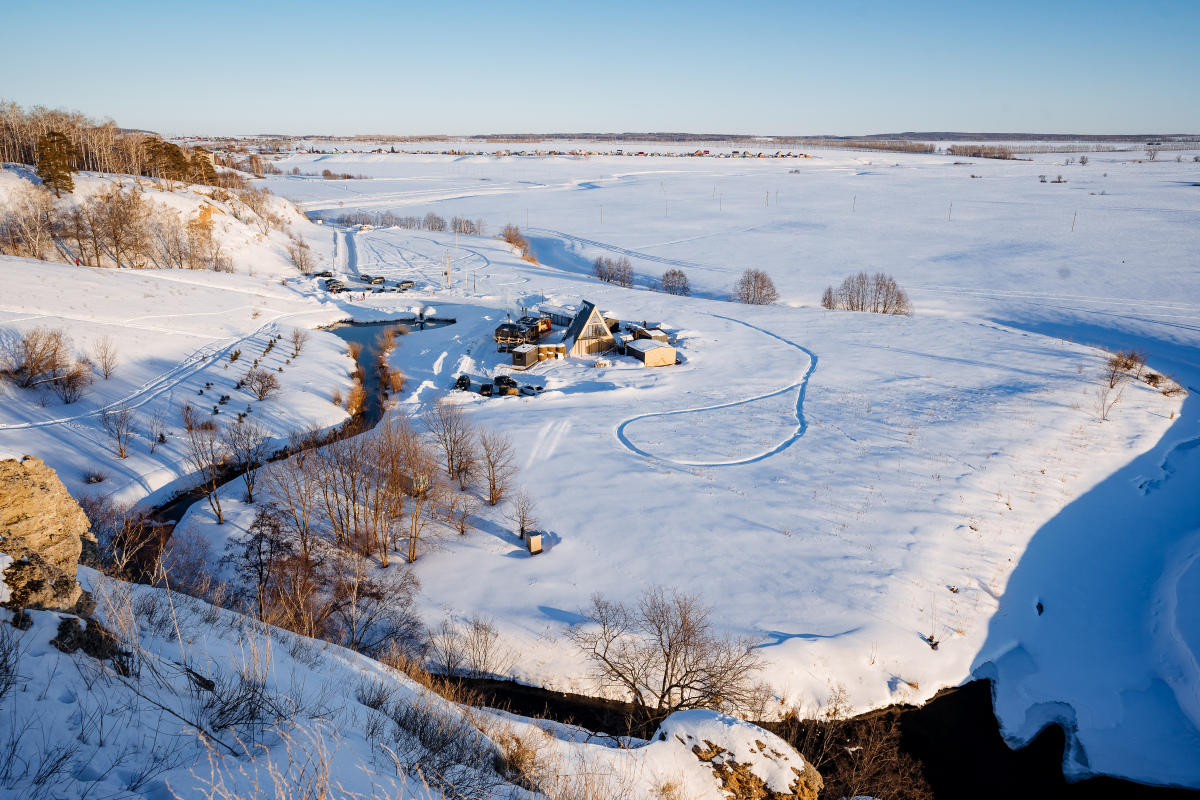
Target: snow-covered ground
201,702
841,485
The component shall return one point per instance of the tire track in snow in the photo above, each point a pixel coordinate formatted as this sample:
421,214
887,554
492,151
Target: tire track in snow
801,422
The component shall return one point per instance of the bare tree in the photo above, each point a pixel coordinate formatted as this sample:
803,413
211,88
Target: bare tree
156,428
37,355
206,457
446,648
373,608
256,558
522,512
298,338
459,511
104,353
293,484
451,429
261,383
665,655
301,256
755,288
248,446
425,488
675,281
120,424
482,650
1152,153
28,223
878,293
74,381
496,461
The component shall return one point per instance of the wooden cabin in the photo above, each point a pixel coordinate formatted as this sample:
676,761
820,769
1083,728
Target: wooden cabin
588,333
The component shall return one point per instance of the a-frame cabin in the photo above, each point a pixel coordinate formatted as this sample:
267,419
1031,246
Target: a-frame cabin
588,333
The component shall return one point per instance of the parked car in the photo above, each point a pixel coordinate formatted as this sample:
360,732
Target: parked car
463,383
529,391
406,284
485,389
506,380
325,274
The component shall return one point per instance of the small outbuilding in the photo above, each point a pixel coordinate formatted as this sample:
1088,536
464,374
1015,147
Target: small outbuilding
524,355
650,352
558,315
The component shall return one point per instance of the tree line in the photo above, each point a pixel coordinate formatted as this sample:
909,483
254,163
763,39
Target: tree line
101,146
121,226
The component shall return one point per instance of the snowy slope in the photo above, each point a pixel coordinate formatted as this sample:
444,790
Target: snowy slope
202,702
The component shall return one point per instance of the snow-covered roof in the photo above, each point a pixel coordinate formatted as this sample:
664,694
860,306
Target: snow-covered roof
524,348
558,311
646,344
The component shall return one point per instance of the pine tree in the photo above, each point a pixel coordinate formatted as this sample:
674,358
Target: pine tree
56,158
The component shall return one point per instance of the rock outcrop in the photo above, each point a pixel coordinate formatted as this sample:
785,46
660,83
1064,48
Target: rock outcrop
44,531
746,762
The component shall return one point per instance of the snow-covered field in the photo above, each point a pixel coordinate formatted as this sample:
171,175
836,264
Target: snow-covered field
841,485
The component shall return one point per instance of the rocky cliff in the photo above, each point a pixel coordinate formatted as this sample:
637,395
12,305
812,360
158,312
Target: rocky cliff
43,530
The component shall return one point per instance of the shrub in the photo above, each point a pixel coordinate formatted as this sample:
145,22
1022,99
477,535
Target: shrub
93,476
878,293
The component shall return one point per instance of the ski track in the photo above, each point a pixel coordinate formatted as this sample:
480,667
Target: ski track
801,426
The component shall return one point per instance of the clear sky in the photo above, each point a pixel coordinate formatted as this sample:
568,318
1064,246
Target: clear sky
467,67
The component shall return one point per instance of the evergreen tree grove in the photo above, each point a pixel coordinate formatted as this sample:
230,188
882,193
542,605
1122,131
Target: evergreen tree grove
56,158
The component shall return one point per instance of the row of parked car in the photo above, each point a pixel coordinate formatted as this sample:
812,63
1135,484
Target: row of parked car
336,285
503,385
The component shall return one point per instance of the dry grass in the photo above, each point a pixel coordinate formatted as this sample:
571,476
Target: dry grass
354,350
395,381
335,397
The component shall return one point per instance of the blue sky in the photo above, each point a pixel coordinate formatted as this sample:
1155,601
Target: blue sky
470,67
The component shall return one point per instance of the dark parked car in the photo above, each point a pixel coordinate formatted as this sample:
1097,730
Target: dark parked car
325,274
485,389
506,380
463,383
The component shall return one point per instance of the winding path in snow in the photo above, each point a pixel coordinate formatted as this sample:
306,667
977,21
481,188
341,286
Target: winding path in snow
801,422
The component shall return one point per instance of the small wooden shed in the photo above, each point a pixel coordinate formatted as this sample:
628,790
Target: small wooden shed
524,355
651,353
588,333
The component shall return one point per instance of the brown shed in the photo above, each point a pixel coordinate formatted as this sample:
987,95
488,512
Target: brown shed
525,355
651,353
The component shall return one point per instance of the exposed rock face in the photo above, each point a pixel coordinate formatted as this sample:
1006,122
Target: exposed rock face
747,762
44,531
